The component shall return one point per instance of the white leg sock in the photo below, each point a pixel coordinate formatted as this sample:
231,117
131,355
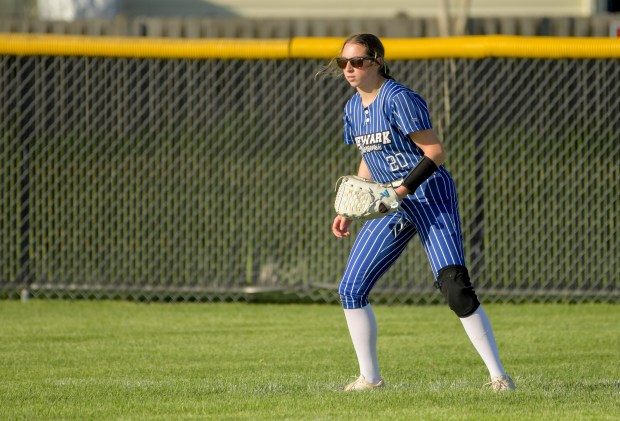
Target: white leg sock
363,329
478,328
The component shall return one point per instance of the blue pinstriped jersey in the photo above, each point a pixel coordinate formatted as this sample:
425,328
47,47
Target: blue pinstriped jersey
381,133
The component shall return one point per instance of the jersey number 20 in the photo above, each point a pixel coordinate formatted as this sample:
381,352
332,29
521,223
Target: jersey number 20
397,162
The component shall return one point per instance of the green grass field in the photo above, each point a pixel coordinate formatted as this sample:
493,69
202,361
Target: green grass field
80,360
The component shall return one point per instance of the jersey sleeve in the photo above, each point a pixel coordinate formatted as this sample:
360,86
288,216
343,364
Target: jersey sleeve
348,130
410,112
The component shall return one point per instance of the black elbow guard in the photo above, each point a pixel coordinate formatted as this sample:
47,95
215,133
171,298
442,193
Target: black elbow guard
425,168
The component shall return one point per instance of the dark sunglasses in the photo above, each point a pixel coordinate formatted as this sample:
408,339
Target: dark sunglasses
356,62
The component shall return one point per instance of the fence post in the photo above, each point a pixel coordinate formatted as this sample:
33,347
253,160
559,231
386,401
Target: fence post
26,125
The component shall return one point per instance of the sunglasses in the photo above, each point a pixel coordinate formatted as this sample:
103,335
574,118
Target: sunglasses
356,62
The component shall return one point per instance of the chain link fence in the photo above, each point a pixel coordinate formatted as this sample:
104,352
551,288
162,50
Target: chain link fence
213,179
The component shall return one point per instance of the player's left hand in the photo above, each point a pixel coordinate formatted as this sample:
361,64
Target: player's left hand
358,198
340,227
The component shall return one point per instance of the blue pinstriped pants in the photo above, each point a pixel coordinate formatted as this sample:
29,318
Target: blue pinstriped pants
377,247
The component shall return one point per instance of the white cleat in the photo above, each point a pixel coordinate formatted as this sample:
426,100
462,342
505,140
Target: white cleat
502,384
361,384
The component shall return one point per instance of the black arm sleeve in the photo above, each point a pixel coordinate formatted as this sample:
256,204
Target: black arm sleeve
425,168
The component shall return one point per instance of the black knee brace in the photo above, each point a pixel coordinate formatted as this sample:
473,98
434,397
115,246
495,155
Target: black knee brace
457,289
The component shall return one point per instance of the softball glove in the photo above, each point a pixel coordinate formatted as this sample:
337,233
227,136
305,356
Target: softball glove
360,199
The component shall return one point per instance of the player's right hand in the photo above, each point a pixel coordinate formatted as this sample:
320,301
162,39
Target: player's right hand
340,227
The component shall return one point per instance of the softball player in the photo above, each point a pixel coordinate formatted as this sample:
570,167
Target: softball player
391,127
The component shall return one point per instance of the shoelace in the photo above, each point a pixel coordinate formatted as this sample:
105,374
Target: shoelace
496,384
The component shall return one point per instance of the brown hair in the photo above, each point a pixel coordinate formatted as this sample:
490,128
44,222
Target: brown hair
374,48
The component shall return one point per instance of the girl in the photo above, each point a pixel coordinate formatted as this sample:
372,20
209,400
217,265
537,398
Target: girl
391,127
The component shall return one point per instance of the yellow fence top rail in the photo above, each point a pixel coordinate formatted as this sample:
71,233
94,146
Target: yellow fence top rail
177,48
470,47
474,47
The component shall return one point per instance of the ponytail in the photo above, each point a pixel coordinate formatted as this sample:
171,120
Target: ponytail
384,71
